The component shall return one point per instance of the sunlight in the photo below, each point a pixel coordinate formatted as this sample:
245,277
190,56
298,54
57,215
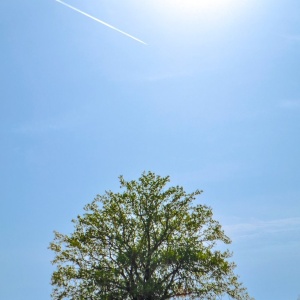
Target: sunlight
207,9
206,5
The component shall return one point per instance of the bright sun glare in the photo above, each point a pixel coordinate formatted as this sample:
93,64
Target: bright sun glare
199,4
209,9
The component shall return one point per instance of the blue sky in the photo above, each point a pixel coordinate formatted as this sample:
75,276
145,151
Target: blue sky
213,101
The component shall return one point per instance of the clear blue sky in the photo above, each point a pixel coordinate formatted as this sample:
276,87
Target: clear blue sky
213,101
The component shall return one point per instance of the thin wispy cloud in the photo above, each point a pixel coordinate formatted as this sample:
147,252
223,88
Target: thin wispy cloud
290,104
100,21
165,76
39,127
259,228
65,121
292,37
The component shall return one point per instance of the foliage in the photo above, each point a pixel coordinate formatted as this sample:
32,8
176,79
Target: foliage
146,243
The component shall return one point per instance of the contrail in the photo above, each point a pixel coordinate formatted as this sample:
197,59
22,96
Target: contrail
104,23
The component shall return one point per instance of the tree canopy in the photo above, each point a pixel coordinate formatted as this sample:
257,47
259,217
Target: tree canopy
147,242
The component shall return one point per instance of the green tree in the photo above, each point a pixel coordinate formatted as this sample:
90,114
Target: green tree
147,242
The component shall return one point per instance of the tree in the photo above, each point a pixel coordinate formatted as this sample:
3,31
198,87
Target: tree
147,242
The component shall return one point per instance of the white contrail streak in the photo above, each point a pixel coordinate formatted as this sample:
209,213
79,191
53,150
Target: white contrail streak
104,23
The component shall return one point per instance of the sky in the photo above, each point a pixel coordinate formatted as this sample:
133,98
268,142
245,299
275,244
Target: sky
212,100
